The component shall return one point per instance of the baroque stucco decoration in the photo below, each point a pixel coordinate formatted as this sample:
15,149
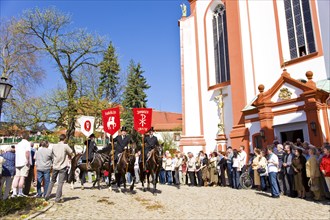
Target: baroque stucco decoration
285,94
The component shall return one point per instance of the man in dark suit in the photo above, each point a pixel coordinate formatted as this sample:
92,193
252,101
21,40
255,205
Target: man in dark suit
92,148
121,141
150,142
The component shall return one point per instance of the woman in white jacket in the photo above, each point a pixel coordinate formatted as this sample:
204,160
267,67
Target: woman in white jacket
263,176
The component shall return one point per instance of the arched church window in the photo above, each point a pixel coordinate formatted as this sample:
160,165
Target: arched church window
299,27
220,38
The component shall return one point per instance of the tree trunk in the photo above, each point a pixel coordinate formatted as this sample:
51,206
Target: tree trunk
72,112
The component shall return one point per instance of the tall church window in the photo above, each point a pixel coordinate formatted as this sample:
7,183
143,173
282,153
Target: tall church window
300,27
220,38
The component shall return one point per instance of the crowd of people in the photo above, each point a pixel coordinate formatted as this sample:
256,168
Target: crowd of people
293,169
283,169
19,163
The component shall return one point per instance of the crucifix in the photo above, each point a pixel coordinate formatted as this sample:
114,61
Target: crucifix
220,101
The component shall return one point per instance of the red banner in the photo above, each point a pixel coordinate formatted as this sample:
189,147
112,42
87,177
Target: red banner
142,119
111,120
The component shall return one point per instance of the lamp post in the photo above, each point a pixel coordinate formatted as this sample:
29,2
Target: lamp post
4,91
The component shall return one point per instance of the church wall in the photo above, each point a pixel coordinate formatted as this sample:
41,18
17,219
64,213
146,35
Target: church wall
191,94
264,41
324,18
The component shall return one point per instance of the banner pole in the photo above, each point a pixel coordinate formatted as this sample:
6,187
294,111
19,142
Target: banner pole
86,153
113,153
143,151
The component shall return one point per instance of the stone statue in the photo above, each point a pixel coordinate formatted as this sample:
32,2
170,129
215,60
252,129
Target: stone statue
220,101
184,10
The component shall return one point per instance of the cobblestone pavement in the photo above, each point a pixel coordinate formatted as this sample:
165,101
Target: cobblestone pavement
184,203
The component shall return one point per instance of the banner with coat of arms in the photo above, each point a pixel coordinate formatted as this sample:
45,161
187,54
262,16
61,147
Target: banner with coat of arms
86,125
111,120
142,119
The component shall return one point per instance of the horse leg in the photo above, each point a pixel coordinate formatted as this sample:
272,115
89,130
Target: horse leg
154,182
82,179
98,175
124,180
133,182
148,180
142,177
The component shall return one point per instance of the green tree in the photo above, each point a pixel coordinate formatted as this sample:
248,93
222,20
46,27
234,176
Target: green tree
109,70
134,96
70,49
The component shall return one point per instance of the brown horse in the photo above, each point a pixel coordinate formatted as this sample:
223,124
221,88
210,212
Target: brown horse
125,164
99,163
153,166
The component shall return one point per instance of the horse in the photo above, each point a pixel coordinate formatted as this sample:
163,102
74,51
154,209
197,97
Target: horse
153,166
99,163
125,164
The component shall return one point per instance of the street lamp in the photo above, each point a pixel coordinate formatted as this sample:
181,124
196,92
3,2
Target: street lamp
4,91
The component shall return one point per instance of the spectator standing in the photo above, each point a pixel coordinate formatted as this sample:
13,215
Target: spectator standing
184,178
313,172
178,168
222,165
243,159
205,170
23,161
255,166
272,172
236,169
280,174
191,169
298,164
199,160
2,161
30,178
263,176
8,172
60,152
43,159
288,170
325,165
137,167
168,169
213,169
229,157
162,173
174,160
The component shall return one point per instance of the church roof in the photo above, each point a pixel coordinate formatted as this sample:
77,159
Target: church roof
166,121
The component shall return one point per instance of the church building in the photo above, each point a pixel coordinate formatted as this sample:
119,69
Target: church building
254,72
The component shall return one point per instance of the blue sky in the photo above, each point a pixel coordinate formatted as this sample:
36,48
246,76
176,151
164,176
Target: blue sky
145,31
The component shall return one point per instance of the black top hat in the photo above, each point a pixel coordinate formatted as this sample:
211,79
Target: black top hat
123,128
92,136
151,129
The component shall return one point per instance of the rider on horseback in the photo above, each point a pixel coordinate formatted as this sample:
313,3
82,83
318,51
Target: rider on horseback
122,141
151,142
92,148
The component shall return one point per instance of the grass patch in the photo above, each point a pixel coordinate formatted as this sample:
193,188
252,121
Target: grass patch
105,200
148,204
21,206
155,206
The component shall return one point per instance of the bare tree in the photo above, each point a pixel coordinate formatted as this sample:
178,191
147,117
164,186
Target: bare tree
18,63
69,49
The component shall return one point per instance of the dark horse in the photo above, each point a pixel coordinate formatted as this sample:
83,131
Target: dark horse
125,164
99,163
153,166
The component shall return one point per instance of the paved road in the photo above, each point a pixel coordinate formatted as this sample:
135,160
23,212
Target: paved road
184,203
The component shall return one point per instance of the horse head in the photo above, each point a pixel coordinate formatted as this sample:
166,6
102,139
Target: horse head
159,150
74,164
